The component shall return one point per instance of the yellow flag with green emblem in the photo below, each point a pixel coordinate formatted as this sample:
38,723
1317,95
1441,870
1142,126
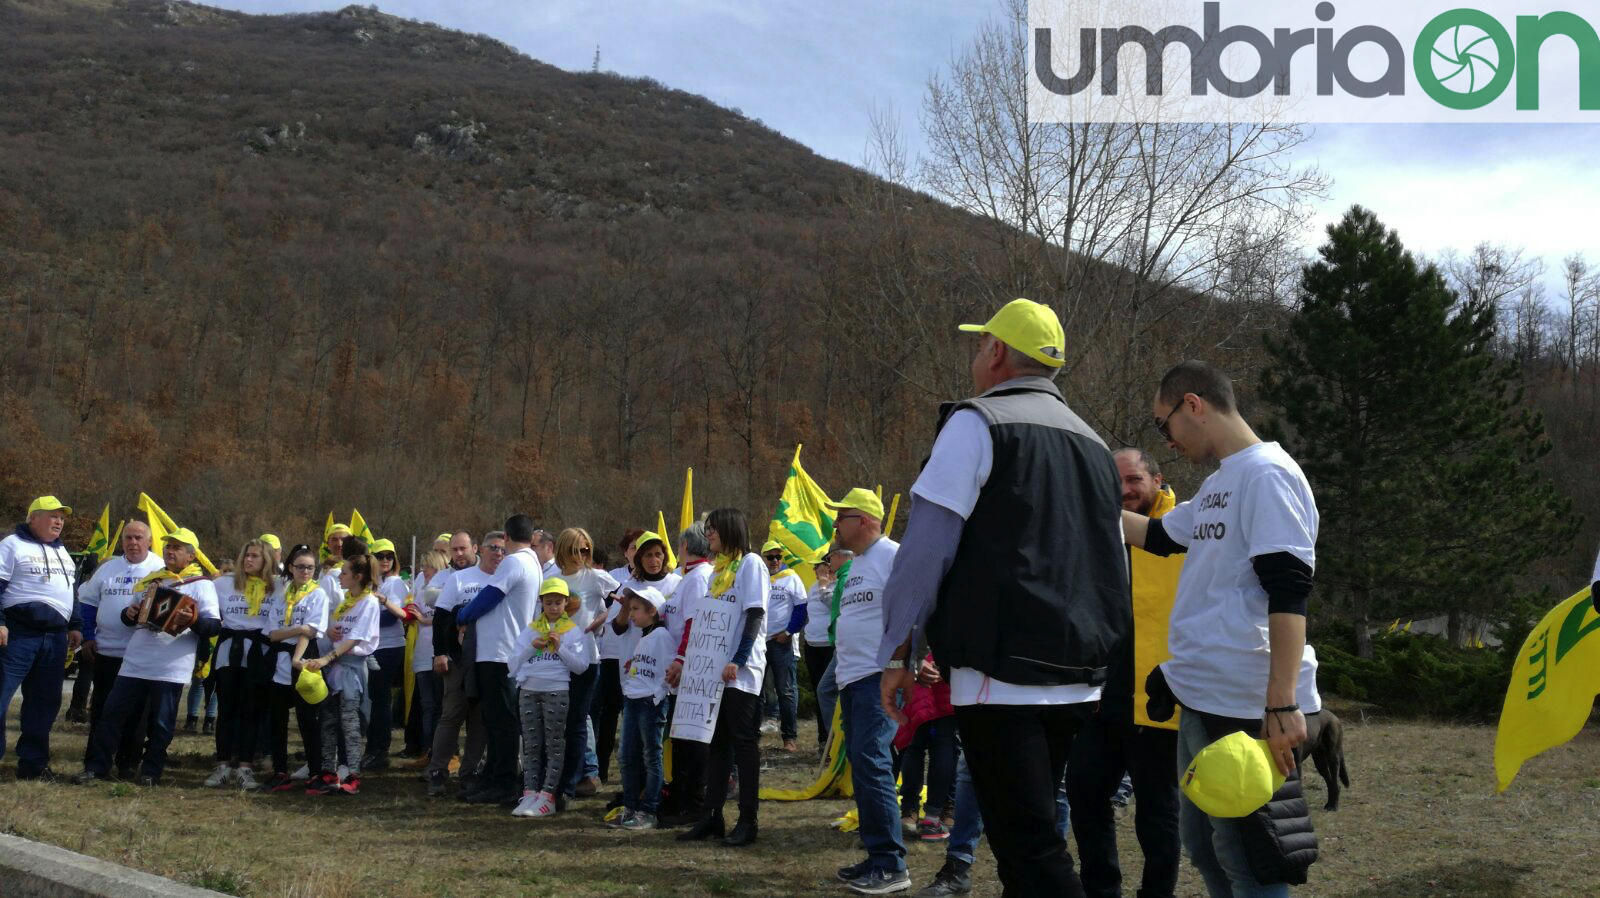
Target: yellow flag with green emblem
803,524
100,540
1553,685
359,528
162,524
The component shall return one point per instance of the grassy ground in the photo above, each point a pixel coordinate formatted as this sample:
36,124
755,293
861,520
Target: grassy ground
1421,820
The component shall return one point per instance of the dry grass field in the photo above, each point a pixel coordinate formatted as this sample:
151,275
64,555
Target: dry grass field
1421,821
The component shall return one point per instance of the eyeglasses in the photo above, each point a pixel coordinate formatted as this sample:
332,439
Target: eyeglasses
303,567
498,550
846,517
1161,423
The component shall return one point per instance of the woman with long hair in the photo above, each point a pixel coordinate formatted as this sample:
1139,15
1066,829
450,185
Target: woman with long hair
391,593
295,615
428,691
239,664
739,580
588,588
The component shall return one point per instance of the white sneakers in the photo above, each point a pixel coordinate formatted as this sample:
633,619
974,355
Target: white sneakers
769,727
246,779
304,773
220,777
243,777
535,804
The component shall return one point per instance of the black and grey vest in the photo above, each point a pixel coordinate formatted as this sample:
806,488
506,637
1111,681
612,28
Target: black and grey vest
1038,593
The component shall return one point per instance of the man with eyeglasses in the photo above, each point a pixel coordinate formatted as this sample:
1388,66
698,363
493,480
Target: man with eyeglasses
453,659
544,547
1012,570
787,597
1240,661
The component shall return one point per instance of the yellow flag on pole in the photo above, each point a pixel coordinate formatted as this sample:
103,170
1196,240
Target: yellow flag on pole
1554,682
359,528
803,523
322,552
162,524
100,540
686,510
661,530
894,509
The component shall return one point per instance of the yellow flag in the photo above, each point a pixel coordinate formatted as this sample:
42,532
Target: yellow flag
1553,685
833,777
100,540
161,524
803,523
327,528
894,509
686,510
116,538
358,527
666,540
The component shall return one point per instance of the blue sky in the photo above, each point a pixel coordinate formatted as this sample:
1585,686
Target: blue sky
815,69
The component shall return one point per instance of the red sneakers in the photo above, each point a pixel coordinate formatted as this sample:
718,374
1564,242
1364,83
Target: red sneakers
351,785
323,784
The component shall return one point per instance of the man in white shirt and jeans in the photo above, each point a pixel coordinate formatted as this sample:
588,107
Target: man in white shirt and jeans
1240,661
1012,570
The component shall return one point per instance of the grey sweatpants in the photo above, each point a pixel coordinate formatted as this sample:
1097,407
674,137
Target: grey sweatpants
342,727
458,709
544,739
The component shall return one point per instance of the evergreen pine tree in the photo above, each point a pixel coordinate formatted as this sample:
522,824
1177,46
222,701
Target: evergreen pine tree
1415,438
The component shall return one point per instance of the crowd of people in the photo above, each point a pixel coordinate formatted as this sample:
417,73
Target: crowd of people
1054,630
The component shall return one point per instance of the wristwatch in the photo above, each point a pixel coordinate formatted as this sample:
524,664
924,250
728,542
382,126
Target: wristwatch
895,664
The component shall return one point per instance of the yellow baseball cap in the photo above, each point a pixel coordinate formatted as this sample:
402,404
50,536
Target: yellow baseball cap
647,537
554,586
1030,328
862,500
772,545
311,686
444,536
1232,777
47,503
183,535
381,545
271,539
339,530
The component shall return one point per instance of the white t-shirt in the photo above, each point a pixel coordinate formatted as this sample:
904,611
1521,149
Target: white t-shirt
312,610
860,626
751,584
591,588
787,591
111,590
425,594
518,576
329,581
541,670
955,473
391,629
235,610
819,607
360,623
680,605
38,573
644,672
551,569
165,658
1256,503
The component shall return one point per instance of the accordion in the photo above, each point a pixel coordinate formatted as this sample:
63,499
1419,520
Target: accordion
168,611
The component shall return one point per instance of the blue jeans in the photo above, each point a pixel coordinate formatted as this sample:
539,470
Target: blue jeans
868,733
1214,844
198,692
781,673
580,694
968,828
34,661
643,721
827,696
129,696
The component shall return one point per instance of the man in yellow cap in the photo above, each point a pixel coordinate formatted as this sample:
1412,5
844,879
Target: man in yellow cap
157,663
38,626
1013,573
788,594
868,729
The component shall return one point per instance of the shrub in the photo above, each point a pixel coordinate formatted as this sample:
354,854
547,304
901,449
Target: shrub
1419,675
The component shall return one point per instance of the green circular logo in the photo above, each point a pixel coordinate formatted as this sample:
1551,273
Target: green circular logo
1464,59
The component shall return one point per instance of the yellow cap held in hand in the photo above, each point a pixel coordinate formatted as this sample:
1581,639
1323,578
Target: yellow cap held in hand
311,686
1232,777
862,500
1030,328
47,503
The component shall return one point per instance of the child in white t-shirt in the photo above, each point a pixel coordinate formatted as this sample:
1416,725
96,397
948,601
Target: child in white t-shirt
545,656
644,709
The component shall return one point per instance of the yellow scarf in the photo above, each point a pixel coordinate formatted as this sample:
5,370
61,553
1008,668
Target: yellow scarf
255,592
723,570
292,597
349,602
189,572
543,627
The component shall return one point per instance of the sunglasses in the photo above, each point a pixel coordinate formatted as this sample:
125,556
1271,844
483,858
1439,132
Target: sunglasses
1161,423
385,556
773,557
847,517
585,550
500,550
